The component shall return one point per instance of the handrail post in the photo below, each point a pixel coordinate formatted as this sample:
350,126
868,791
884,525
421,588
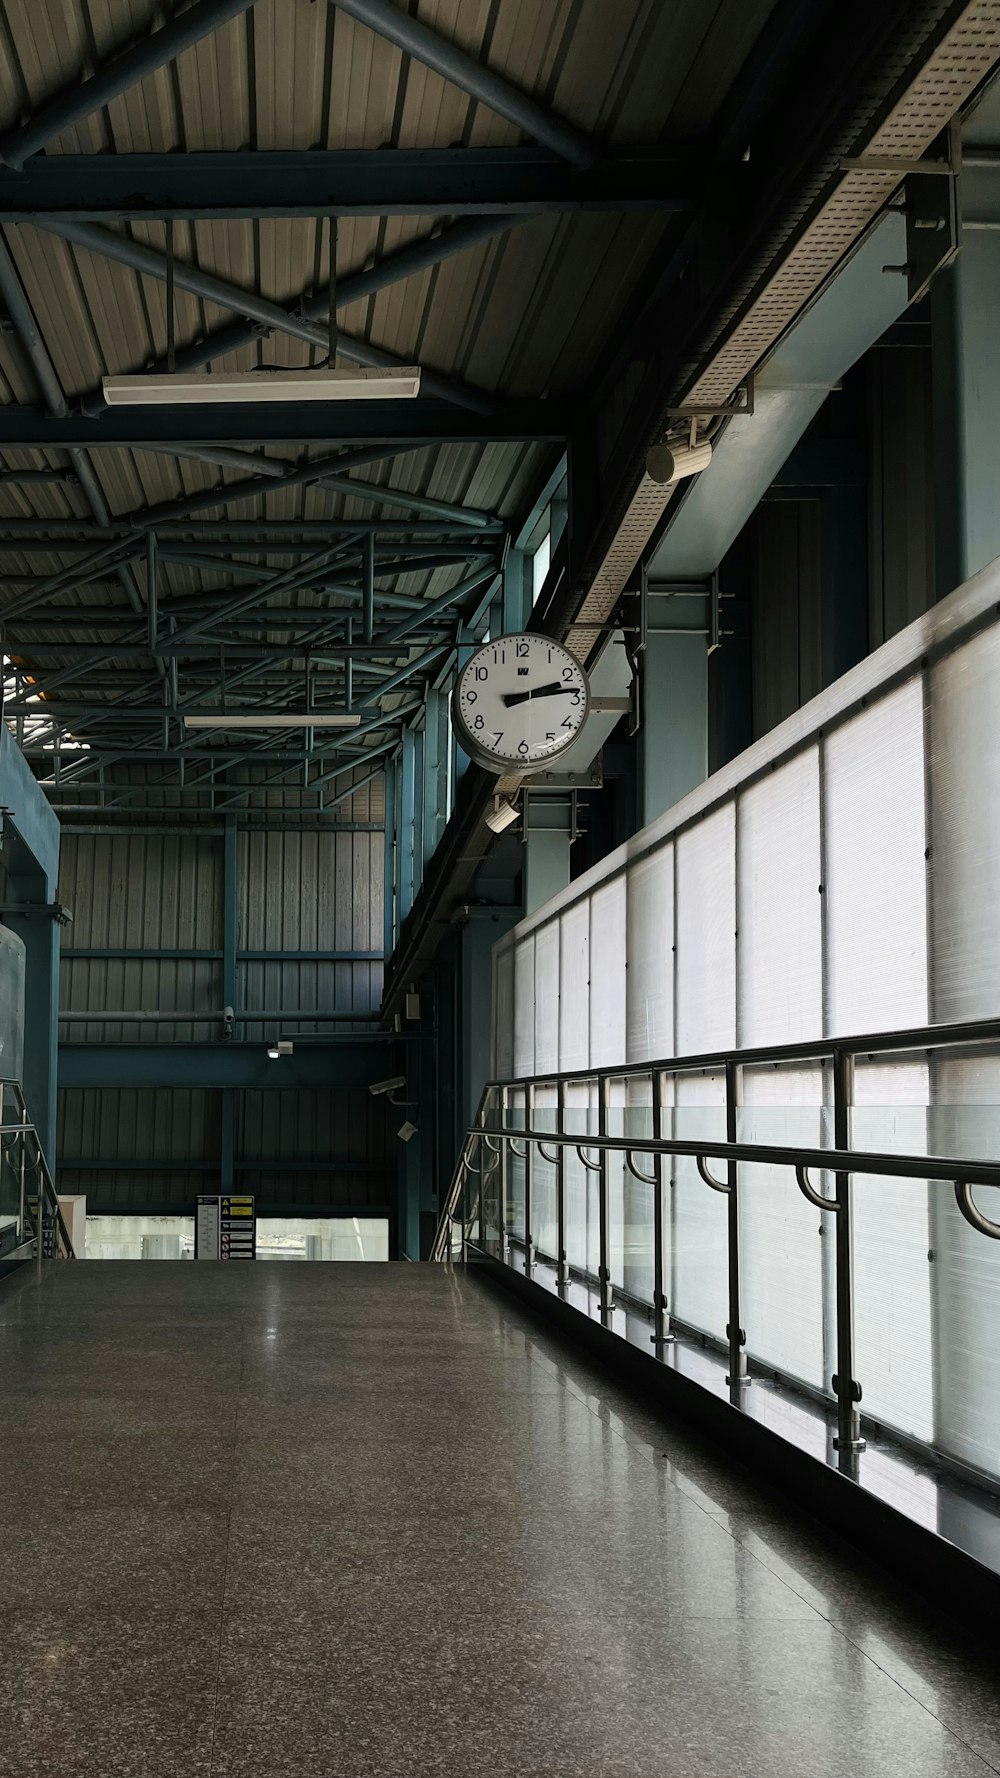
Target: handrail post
848,1441
562,1268
529,1120
661,1314
604,1262
737,1378
504,1163
23,1178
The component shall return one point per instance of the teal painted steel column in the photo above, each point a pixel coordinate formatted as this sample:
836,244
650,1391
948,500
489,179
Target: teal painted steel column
405,825
965,314
548,834
435,772
516,593
418,810
389,861
230,911
32,859
230,943
673,745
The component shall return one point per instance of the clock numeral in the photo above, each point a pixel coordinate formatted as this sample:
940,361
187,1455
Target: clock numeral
523,748
521,650
472,697
567,672
481,672
550,737
575,695
498,736
479,722
569,723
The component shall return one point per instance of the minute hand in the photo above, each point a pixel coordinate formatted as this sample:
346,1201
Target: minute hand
554,690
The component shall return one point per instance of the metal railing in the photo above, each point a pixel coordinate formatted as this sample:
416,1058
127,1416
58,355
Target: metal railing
32,1225
494,1139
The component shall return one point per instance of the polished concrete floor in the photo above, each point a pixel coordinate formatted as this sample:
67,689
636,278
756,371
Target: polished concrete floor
349,1521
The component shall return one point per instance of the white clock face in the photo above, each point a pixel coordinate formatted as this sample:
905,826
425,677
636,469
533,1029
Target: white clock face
520,702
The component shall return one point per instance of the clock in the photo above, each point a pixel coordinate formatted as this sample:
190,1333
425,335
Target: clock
519,703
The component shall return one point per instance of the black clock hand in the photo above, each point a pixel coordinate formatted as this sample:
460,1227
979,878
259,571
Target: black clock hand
542,691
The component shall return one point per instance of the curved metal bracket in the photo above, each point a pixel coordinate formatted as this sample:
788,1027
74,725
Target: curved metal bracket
972,1213
521,1153
491,1142
809,1191
709,1178
553,1159
591,1166
636,1172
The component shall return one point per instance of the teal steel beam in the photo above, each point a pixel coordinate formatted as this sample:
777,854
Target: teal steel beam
219,292
160,953
445,603
475,77
333,1164
351,1059
490,189
431,420
124,69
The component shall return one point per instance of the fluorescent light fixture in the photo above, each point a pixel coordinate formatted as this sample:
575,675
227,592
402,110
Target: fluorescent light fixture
276,719
185,387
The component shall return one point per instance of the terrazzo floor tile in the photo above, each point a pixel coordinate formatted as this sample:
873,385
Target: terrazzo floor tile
362,1521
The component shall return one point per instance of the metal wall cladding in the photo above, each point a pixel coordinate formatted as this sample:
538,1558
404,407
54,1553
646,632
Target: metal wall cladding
122,1124
134,892
318,892
326,1132
296,891
11,1005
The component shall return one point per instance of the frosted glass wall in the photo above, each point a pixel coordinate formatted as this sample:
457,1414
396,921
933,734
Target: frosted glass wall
840,878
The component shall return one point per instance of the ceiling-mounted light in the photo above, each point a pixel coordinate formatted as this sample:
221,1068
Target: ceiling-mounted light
283,1047
173,388
275,719
672,462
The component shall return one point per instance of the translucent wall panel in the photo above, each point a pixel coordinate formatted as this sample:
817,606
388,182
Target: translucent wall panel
544,1175
698,1266
964,783
783,1249
892,1293
524,1007
574,988
780,944
875,894
706,926
547,998
637,1196
582,1233
649,981
607,974
964,798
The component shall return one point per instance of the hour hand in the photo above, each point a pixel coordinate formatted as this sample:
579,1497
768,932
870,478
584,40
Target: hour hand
541,691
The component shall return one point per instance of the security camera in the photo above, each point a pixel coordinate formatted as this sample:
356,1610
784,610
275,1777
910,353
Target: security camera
672,462
387,1086
406,1131
501,815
